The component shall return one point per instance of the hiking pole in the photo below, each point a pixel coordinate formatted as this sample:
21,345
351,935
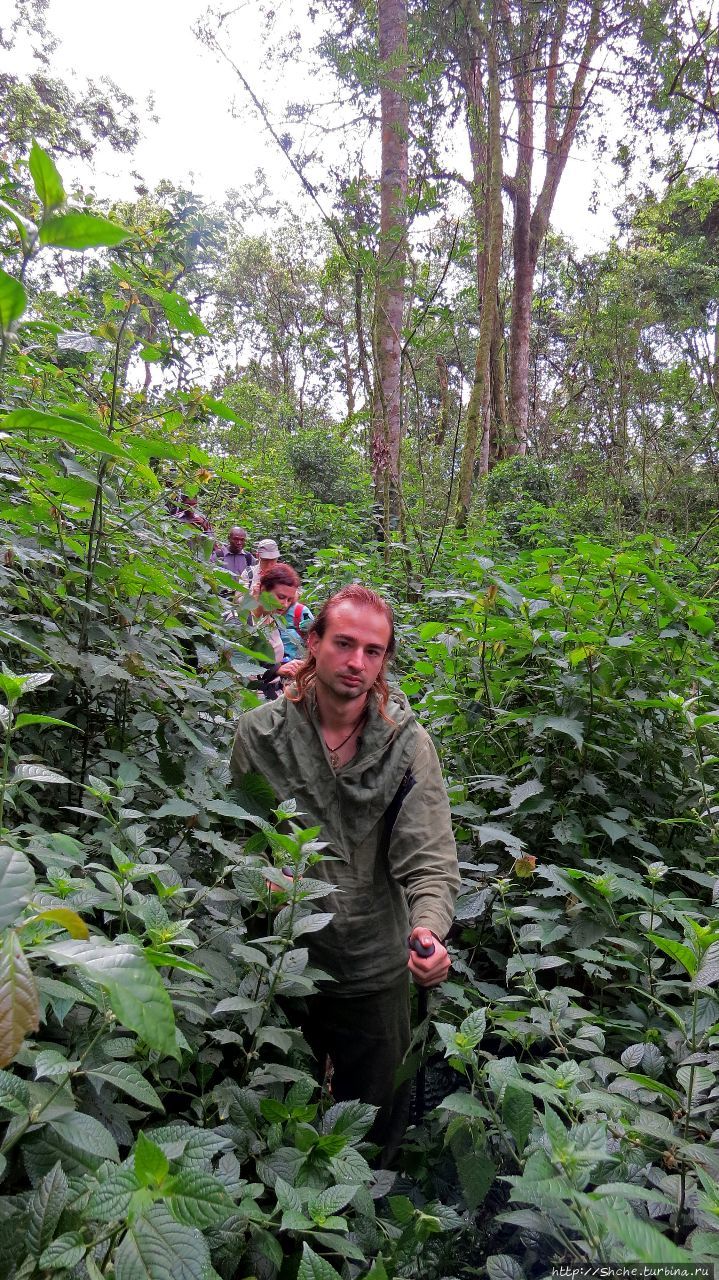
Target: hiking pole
422,1009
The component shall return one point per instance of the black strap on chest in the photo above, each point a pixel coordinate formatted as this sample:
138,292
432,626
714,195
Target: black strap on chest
392,811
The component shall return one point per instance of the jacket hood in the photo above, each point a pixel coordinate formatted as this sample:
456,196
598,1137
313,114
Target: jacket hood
345,805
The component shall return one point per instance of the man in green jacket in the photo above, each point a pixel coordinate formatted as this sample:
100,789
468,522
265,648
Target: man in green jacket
353,756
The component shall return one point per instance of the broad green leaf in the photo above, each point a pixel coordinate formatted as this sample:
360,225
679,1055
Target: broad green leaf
464,1104
25,226
64,1253
11,638
135,989
524,791
196,1198
632,1056
678,951
178,312
492,833
429,630
351,1119
127,1078
177,808
37,773
227,809
86,1134
644,1243
472,1028
70,920
476,1175
646,1082
378,1271
110,1198
700,621
34,680
53,1064
45,177
81,231
695,1080
14,1094
288,1198
518,1114
17,880
615,830
330,1201
13,300
46,1205
158,1247
52,426
313,1267
707,975
19,1009
500,1266
401,1208
151,1163
22,720
224,411
170,959
559,724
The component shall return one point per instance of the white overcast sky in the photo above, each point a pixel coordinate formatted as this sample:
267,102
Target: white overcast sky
206,133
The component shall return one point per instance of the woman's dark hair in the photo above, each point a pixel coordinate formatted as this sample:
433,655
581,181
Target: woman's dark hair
353,594
280,575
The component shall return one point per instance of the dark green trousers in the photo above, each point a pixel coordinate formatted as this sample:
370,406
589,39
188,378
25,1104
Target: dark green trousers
366,1038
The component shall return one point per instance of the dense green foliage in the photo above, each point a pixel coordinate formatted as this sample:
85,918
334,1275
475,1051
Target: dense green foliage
162,1119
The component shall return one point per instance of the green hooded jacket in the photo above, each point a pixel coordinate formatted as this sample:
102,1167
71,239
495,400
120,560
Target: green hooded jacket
380,895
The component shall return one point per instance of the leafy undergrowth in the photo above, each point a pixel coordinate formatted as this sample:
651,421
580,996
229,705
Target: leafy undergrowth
162,1117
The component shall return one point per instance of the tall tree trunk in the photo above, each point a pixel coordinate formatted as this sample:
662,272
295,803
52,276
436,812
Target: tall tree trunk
522,43
499,391
391,264
478,408
531,225
495,416
444,401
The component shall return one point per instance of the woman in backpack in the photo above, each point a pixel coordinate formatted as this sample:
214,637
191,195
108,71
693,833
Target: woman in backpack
283,626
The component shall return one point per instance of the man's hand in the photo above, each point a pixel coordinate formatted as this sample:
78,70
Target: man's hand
428,971
289,670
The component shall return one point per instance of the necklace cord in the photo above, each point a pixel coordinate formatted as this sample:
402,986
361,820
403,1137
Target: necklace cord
334,750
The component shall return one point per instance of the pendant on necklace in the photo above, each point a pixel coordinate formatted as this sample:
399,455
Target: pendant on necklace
334,759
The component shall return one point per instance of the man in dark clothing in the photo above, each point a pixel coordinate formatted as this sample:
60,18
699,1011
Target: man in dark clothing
190,514
360,767
233,557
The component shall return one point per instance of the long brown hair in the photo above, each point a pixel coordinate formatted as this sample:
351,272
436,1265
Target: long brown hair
280,575
368,599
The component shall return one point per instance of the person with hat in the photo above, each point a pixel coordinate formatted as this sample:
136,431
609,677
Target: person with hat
268,554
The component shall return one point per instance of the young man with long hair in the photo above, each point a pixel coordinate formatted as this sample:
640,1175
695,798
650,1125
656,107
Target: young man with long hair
349,750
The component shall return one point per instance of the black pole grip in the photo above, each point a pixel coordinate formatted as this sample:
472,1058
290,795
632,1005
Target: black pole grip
420,949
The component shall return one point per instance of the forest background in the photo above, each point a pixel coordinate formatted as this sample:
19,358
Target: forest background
408,377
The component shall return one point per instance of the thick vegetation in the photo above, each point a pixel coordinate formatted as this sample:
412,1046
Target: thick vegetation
161,1114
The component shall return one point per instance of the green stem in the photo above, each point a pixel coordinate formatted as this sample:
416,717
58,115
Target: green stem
5,767
690,1091
287,943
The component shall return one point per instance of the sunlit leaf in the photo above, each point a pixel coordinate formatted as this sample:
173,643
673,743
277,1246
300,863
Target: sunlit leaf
45,177
81,231
70,920
19,1009
135,989
13,300
17,879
